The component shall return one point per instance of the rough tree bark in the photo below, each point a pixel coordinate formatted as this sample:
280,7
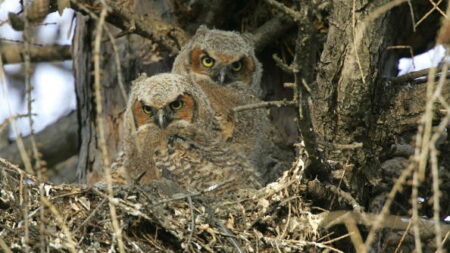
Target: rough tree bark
349,87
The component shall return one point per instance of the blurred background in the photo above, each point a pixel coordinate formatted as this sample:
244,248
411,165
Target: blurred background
53,85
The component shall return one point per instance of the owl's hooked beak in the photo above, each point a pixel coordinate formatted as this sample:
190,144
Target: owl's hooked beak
221,76
161,119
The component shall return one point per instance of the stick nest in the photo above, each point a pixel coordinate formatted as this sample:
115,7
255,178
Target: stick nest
159,217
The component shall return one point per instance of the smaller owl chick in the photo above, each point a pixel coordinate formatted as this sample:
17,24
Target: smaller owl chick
170,132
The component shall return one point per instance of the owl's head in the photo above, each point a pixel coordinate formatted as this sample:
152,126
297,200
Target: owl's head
220,57
166,100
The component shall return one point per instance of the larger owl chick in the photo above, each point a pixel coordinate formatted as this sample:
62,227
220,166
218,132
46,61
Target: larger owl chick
170,132
220,57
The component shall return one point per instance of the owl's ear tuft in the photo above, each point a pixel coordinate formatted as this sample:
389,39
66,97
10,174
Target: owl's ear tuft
249,38
141,78
201,30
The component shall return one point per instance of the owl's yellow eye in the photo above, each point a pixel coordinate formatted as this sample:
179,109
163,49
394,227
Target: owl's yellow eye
236,66
147,110
207,61
176,105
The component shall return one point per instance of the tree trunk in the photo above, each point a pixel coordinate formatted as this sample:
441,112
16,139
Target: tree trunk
350,87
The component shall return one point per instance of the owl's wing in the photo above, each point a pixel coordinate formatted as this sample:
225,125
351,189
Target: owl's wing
199,160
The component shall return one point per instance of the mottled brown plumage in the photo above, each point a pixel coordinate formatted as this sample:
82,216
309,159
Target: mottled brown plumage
210,59
170,131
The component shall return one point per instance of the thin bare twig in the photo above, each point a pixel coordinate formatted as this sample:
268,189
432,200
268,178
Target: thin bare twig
315,185
429,13
403,237
289,11
415,211
90,216
4,246
378,220
12,121
355,235
354,145
193,194
28,87
279,103
101,125
283,66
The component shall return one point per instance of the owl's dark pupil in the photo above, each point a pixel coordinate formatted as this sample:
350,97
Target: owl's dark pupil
147,109
208,60
236,65
176,104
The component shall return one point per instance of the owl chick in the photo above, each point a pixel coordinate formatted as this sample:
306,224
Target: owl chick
220,57
170,132
224,65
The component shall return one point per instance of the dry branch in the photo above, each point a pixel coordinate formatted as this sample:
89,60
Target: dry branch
14,53
169,37
271,30
330,219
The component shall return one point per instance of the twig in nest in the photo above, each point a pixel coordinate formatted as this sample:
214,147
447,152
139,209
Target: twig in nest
126,206
320,189
60,220
194,194
225,231
90,216
191,208
4,246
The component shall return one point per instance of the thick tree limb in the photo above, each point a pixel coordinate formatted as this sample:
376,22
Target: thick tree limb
14,53
168,36
271,30
56,143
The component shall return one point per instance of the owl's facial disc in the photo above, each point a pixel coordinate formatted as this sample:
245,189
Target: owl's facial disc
181,109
